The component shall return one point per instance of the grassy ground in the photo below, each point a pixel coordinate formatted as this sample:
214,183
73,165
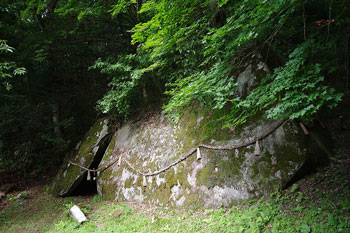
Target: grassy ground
317,203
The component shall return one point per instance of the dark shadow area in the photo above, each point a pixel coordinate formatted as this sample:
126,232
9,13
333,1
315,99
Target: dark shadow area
320,146
305,170
85,188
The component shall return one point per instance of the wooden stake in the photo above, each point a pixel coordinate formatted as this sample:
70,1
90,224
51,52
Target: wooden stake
306,132
144,182
199,156
120,160
88,176
257,148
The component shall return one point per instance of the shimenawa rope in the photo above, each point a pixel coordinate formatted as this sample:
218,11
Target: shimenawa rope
185,156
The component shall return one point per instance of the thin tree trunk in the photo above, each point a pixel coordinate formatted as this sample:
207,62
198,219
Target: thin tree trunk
138,8
55,119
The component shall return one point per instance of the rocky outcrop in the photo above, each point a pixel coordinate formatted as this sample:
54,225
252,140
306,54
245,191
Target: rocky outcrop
88,153
155,161
220,177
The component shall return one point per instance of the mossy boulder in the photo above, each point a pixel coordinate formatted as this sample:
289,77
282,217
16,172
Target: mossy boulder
159,148
220,178
85,152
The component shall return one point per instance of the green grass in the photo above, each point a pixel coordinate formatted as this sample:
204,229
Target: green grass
308,206
47,214
35,212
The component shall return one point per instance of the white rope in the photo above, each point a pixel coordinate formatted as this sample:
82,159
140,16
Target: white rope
119,159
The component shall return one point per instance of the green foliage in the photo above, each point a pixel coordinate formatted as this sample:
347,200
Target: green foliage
8,69
198,47
294,91
211,89
121,7
294,188
25,135
56,41
192,51
124,86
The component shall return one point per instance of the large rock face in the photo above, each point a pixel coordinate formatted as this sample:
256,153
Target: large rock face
85,153
221,177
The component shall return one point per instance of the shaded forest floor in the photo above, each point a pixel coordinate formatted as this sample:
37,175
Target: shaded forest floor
319,202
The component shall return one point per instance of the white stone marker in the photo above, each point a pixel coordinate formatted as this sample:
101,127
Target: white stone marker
77,214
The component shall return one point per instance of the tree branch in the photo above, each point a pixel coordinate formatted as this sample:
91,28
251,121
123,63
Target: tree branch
52,5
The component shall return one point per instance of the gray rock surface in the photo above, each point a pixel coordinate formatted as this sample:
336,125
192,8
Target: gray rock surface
220,178
69,176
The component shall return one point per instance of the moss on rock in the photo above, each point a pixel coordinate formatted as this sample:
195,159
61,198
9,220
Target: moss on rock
220,177
69,176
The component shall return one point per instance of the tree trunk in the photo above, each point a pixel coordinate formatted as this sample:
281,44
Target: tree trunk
55,119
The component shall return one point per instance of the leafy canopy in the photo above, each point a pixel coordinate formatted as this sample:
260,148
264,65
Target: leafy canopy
197,48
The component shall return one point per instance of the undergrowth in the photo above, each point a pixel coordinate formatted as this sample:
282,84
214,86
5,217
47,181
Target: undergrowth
320,203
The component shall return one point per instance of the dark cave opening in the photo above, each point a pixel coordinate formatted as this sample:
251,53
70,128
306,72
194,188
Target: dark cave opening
85,187
89,187
319,153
